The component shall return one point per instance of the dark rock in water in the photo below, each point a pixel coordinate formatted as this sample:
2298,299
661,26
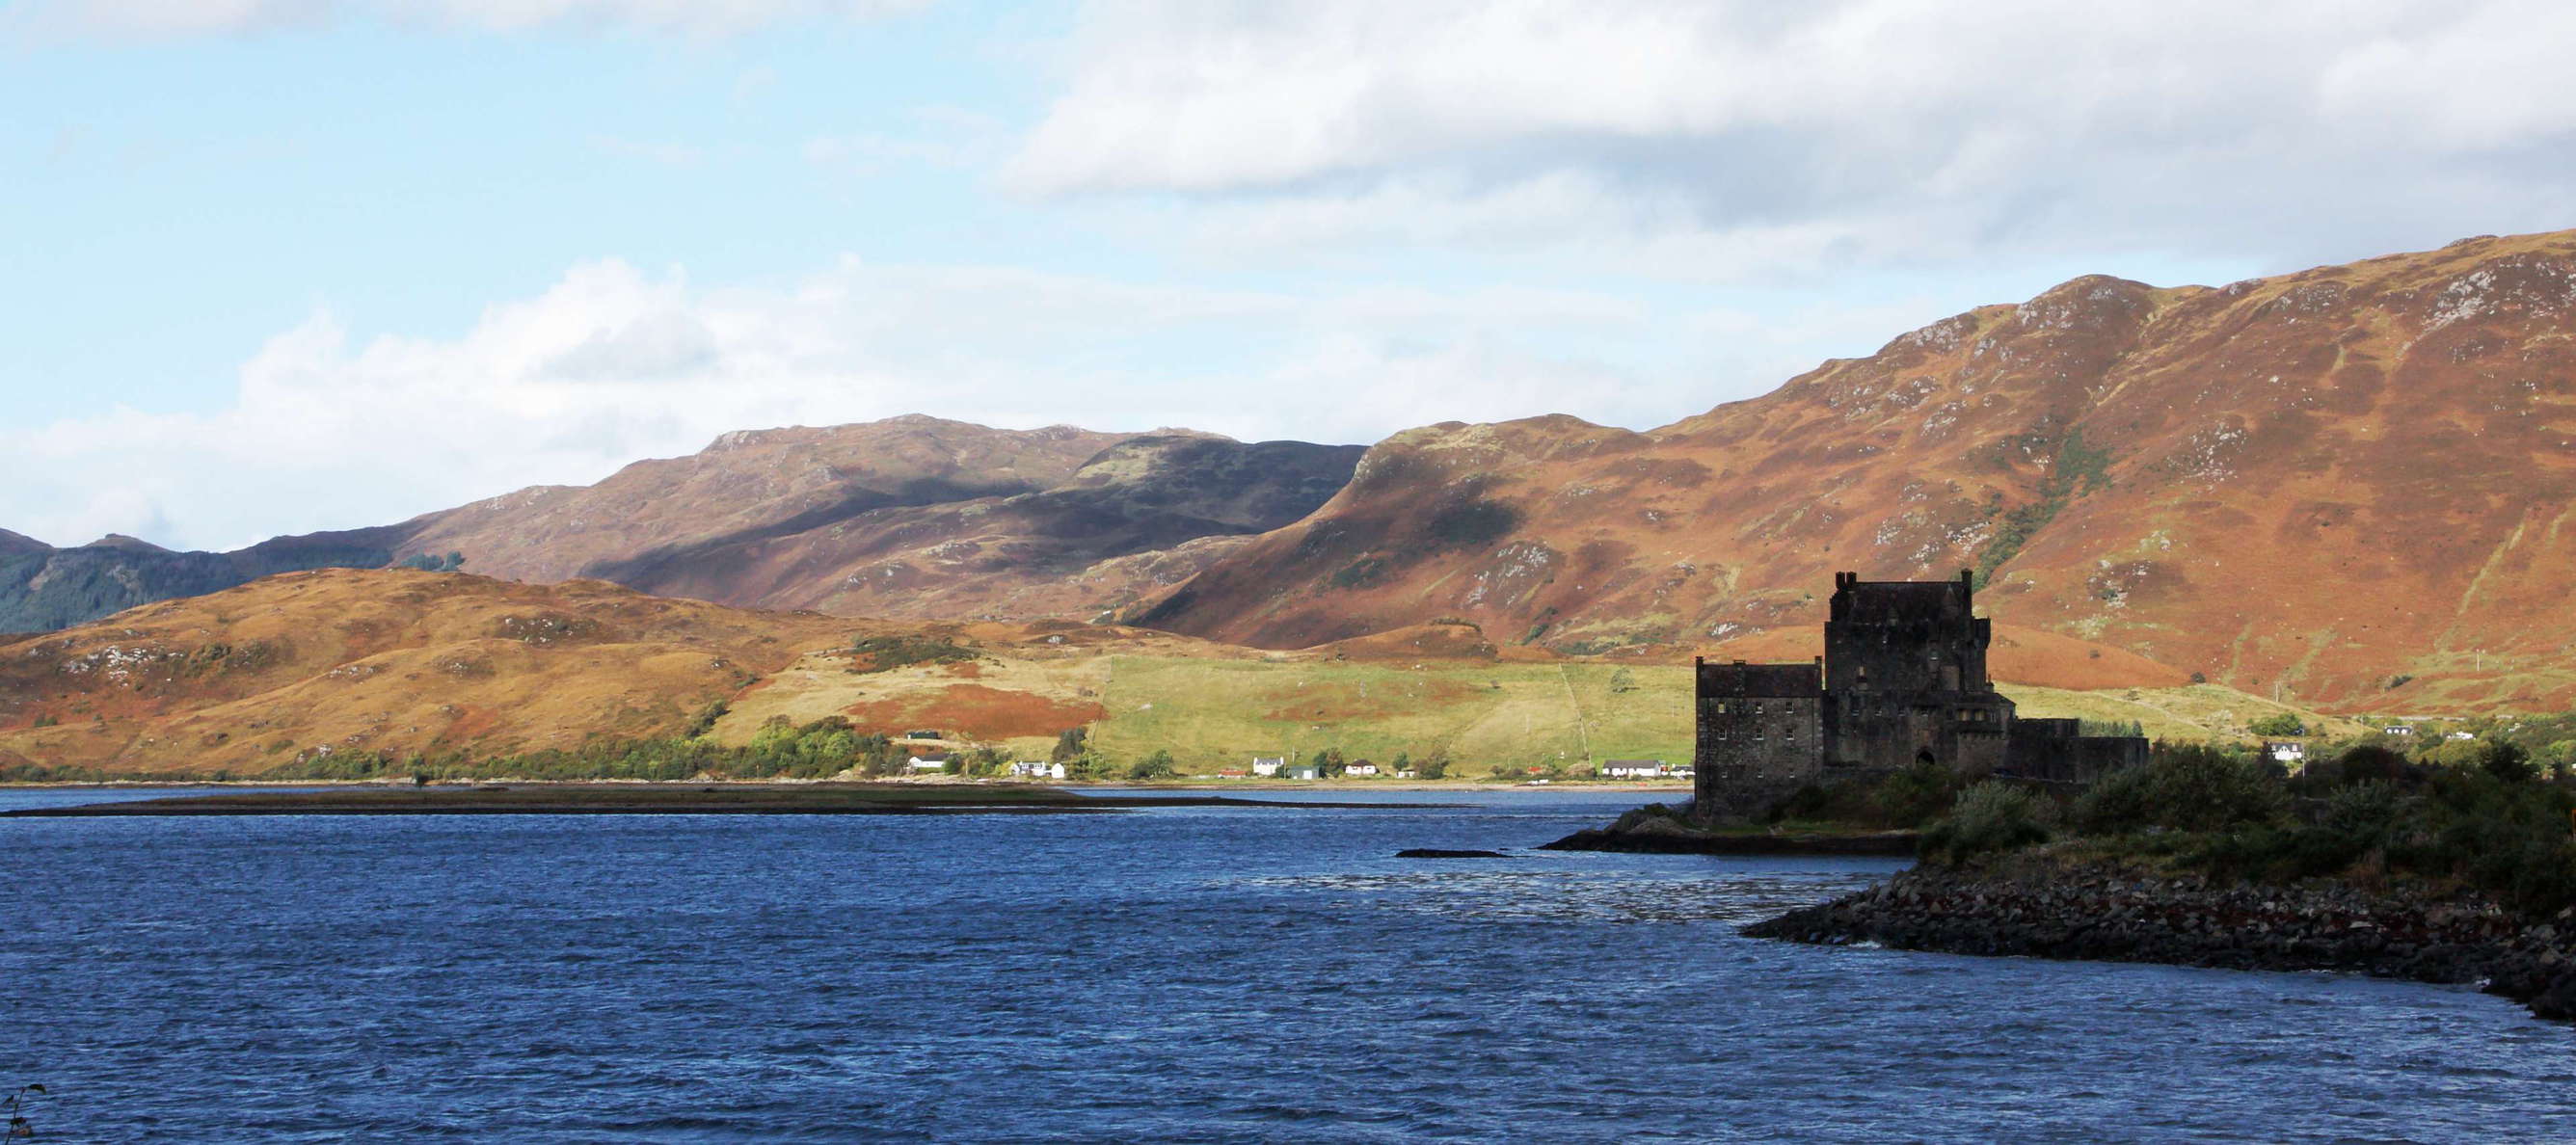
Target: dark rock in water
2559,1000
1681,842
1437,853
2055,908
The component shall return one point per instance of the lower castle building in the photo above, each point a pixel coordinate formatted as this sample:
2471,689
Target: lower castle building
1902,682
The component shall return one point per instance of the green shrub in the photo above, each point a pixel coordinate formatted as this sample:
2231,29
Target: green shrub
1069,745
2188,787
879,653
1156,766
2369,762
2279,724
1914,796
2508,762
1991,817
2365,810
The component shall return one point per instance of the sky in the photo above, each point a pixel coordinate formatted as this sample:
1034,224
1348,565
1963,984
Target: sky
272,266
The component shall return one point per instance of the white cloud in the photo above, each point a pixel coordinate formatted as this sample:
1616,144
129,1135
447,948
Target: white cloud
1849,131
165,18
612,364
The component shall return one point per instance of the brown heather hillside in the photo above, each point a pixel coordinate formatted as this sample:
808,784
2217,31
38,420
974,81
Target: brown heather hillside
2306,486
391,660
748,484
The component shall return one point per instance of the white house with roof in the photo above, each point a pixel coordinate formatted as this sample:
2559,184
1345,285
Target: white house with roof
1636,769
1036,769
2285,752
1267,766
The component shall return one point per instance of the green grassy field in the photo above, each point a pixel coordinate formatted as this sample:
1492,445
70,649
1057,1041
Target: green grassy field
1218,713
2198,712
1212,713
1215,713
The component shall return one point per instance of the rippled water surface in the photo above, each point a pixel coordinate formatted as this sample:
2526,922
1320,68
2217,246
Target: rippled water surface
1164,974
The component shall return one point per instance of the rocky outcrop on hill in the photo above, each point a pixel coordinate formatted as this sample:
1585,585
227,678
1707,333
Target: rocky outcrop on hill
2346,485
2052,909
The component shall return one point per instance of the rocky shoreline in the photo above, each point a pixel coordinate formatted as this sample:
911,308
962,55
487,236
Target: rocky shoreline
2053,907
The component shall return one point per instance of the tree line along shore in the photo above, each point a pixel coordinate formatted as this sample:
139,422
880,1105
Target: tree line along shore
2455,864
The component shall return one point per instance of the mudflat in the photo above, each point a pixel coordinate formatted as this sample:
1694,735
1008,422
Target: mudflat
662,799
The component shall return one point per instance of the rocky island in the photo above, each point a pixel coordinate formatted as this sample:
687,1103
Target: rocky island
2049,905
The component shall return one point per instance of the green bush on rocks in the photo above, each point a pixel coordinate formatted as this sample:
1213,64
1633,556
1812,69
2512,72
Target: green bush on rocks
1990,817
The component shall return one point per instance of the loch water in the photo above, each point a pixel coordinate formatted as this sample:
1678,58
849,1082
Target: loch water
1160,974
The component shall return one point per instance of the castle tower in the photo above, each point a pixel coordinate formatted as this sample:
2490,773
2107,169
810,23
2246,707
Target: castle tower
1907,637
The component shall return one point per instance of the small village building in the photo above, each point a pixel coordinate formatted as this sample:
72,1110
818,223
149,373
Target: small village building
1636,769
2399,729
1361,770
1267,766
1036,769
926,763
925,733
2288,752
1232,773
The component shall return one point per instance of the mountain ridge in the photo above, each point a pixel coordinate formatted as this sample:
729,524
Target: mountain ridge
2121,463
731,522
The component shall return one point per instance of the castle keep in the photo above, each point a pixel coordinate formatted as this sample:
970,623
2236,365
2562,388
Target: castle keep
1902,681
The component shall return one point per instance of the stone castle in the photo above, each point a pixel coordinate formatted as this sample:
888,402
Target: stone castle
1902,682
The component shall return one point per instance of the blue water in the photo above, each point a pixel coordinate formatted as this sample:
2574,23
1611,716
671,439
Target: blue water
1164,974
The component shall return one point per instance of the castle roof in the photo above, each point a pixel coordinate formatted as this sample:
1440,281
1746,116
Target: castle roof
1900,601
1768,680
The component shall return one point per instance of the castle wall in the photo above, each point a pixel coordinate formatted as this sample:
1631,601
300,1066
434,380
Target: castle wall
1759,735
2058,751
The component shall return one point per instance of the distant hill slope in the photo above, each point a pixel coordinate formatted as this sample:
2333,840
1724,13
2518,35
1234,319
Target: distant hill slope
748,485
44,588
912,516
1145,513
2317,485
909,517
